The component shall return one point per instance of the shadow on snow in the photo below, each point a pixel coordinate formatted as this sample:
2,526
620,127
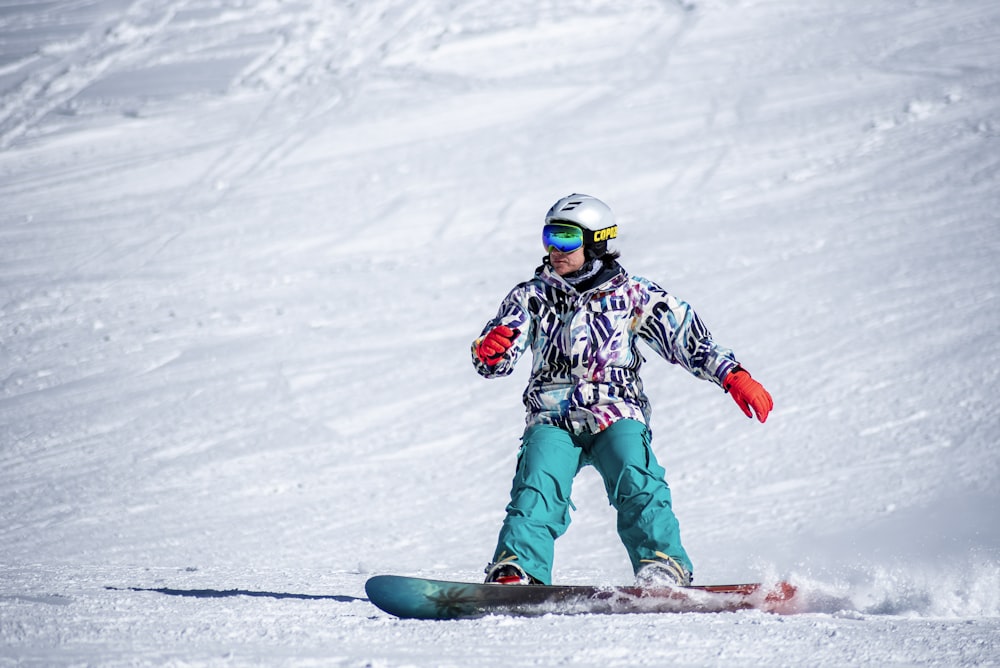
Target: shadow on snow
227,593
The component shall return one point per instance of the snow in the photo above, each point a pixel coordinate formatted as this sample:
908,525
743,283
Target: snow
244,246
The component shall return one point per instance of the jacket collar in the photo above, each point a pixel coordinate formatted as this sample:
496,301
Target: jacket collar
615,276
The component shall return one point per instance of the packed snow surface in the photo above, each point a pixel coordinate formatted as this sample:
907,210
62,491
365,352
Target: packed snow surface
245,244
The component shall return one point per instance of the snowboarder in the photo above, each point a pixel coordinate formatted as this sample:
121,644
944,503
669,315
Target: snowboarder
583,315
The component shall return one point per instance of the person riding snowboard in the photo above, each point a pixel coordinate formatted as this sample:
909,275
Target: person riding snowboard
583,316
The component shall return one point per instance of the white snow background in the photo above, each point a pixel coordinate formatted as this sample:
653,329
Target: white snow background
245,244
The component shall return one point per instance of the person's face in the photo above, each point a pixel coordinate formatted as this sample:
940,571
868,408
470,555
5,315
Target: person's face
567,263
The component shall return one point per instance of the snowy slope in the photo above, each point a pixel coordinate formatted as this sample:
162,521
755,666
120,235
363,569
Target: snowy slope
244,246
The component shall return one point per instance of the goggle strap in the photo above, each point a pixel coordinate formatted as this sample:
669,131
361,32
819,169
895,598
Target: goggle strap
603,235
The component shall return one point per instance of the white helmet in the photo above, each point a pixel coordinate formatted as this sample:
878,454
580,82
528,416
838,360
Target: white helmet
590,213
585,211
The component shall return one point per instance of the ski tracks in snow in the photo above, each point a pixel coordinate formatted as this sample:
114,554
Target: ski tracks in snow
295,69
69,67
312,70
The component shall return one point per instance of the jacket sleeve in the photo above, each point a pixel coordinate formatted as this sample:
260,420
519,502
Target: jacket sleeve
672,328
513,313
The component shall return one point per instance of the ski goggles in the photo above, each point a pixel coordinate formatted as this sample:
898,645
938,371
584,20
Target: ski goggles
562,237
566,238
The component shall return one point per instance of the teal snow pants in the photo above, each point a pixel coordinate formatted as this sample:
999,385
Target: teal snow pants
538,512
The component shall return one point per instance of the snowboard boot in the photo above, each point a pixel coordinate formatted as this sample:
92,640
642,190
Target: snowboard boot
507,572
664,571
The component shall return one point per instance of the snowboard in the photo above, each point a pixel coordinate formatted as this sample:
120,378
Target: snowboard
419,598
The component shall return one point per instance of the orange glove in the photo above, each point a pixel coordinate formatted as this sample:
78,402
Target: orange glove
748,394
497,342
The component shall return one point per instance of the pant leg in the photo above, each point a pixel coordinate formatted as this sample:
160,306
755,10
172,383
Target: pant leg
538,511
636,487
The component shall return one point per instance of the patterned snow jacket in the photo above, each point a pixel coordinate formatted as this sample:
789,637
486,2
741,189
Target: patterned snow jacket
585,371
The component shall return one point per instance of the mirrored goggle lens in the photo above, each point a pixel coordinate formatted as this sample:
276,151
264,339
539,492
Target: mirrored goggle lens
563,238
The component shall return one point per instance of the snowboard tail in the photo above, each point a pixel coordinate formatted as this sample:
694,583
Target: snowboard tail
419,598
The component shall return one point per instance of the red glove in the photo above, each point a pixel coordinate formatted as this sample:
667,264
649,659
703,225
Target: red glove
748,393
497,342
